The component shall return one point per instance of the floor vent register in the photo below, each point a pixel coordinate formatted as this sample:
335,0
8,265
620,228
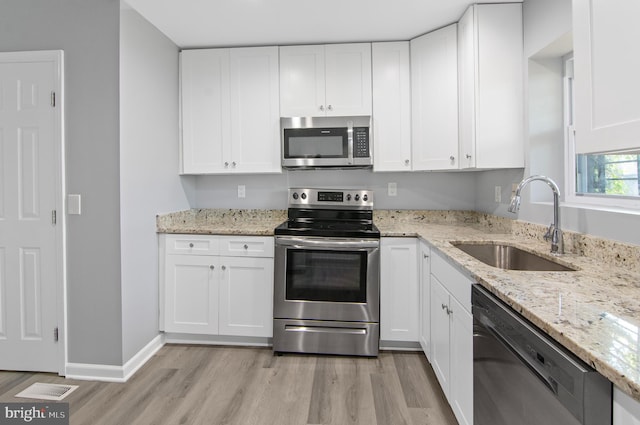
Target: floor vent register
44,391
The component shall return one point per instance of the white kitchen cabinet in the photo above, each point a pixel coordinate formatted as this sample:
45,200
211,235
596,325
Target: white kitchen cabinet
434,98
230,111
325,80
191,294
626,410
607,88
490,65
452,336
216,285
425,298
246,296
391,106
399,301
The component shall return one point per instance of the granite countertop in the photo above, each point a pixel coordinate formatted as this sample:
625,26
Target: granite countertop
593,311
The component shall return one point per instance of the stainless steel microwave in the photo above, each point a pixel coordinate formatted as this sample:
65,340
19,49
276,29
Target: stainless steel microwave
326,142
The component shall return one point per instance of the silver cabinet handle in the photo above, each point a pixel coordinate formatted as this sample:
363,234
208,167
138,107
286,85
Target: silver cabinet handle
246,246
233,164
425,256
191,245
444,306
224,267
226,164
452,158
468,156
211,267
330,108
406,162
322,107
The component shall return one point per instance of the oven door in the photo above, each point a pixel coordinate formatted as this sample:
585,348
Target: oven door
334,279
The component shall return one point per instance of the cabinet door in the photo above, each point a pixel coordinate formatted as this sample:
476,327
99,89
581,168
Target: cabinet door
391,106
461,374
255,114
399,301
440,348
302,90
425,299
204,78
434,87
246,296
191,294
491,87
348,79
607,65
626,410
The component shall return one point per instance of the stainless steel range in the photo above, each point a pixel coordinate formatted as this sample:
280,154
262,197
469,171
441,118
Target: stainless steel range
327,267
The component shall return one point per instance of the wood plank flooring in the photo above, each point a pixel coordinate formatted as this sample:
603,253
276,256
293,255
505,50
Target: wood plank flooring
185,384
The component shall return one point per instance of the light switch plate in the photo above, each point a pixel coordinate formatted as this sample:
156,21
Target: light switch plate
74,204
242,191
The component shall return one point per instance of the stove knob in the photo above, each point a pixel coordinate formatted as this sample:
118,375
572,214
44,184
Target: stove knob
357,197
348,196
365,198
295,195
303,196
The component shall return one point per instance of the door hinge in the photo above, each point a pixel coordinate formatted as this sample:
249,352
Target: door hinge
53,98
53,217
55,334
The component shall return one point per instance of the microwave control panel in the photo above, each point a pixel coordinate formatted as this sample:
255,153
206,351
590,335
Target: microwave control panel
360,142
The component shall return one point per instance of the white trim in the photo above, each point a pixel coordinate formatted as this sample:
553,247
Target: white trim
247,341
109,373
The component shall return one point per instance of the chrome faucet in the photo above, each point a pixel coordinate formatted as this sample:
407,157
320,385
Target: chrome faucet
554,234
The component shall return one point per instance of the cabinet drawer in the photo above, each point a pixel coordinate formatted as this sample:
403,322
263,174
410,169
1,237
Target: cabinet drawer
247,246
192,244
457,283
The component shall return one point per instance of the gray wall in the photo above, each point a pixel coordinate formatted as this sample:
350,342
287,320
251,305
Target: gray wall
148,168
87,31
437,191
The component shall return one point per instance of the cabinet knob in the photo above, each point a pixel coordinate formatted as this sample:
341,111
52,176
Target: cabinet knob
330,108
246,246
191,245
224,267
425,256
211,267
406,162
321,107
233,164
452,158
468,156
444,306
226,164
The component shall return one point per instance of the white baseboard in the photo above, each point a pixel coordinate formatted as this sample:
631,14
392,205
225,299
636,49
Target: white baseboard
109,373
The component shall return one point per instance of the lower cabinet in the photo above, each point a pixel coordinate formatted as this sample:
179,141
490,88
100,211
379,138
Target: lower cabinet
424,258
399,304
216,285
452,335
626,410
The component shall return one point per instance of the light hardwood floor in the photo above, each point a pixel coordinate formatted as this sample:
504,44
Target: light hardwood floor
184,384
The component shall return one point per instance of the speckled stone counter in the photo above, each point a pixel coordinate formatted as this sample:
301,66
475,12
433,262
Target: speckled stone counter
593,311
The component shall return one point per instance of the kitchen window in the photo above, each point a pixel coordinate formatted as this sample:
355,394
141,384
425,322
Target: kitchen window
607,179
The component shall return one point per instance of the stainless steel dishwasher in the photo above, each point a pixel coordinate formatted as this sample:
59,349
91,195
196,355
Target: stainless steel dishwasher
521,376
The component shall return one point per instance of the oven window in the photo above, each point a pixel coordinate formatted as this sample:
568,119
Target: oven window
333,276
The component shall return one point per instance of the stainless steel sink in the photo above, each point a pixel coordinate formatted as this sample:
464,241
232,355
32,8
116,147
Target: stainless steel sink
509,257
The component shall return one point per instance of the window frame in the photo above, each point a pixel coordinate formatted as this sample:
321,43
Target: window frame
572,197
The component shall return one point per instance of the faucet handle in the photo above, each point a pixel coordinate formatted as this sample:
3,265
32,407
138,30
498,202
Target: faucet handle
549,235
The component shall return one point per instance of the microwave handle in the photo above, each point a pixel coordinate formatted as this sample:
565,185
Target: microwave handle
350,142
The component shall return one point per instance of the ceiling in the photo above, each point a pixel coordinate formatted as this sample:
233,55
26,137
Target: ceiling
215,23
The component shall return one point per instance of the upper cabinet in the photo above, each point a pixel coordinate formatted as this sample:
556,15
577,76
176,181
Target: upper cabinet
230,111
434,98
490,61
607,88
325,80
391,106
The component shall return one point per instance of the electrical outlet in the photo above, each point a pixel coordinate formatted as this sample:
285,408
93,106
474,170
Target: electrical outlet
498,194
241,191
392,189
514,187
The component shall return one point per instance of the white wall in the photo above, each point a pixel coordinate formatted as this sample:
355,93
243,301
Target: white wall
149,181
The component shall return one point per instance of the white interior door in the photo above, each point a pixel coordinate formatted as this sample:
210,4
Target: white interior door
30,187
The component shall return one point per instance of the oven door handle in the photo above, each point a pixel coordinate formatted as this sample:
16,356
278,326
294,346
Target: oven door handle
328,243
